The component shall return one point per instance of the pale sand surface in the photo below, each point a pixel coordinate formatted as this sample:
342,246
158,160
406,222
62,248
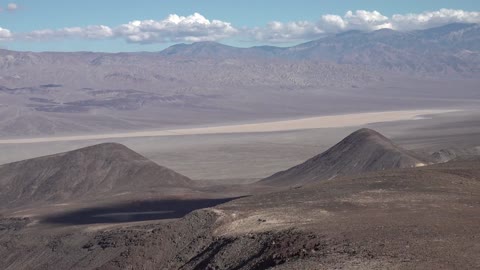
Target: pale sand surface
332,121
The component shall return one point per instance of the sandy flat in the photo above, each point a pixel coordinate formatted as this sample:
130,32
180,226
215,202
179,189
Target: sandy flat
332,121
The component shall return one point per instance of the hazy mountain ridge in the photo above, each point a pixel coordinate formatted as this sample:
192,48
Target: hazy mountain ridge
433,51
451,49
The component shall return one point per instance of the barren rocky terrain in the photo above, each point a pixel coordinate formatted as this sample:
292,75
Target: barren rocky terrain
351,221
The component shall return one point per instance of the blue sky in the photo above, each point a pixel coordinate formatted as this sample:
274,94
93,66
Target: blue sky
241,23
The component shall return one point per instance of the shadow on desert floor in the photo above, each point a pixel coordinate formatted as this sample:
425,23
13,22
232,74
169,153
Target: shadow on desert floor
133,211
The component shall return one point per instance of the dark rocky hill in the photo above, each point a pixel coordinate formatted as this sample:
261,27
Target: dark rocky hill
88,172
362,151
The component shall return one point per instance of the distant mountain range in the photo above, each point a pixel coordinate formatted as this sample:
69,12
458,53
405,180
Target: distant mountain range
446,49
450,48
208,82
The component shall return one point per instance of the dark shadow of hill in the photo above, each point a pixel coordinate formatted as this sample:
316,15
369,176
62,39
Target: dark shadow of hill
134,211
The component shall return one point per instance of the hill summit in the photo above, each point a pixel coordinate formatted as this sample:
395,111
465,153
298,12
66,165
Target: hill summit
362,151
107,168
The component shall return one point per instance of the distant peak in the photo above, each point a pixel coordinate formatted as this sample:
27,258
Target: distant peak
206,43
106,145
366,132
456,25
448,28
201,44
350,32
105,148
385,31
367,136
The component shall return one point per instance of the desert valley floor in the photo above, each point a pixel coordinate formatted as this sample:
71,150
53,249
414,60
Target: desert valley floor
229,155
207,204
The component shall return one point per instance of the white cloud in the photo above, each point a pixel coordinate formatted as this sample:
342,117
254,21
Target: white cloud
359,20
332,23
365,20
196,27
12,7
329,23
5,34
175,28
286,32
89,32
433,18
